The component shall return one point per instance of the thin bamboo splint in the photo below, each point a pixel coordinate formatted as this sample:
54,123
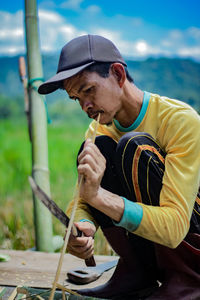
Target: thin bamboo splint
76,197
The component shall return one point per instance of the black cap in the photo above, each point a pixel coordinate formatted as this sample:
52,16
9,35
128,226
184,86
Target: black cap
77,55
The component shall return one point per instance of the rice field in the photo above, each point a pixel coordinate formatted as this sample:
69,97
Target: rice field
16,206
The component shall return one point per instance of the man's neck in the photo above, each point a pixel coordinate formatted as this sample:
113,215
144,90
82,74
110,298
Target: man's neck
131,105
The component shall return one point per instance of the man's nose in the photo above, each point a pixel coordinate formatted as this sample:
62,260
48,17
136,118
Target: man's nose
85,105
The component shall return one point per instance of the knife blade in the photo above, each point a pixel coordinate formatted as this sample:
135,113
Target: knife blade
58,213
89,274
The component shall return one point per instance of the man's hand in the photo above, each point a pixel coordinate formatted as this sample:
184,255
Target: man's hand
82,247
91,166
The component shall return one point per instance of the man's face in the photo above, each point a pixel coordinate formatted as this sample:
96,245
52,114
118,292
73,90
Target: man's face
95,94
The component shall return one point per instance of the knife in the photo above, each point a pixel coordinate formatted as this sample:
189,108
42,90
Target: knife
58,213
89,274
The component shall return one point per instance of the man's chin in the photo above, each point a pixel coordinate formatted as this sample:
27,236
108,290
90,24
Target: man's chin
109,124
106,122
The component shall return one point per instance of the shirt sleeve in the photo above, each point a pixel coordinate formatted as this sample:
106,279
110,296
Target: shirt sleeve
132,215
169,223
82,212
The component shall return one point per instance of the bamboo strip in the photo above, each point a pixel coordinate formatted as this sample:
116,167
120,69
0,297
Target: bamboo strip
63,288
63,295
76,197
13,295
2,292
39,297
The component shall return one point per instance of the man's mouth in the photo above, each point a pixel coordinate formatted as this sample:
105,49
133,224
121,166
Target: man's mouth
94,115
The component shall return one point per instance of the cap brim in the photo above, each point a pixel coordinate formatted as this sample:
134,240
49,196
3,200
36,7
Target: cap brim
54,82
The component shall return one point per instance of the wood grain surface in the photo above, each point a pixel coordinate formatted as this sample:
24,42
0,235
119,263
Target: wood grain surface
37,269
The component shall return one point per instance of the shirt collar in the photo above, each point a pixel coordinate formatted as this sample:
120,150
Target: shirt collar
140,117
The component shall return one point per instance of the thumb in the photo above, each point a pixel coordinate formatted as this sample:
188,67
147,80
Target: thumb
86,227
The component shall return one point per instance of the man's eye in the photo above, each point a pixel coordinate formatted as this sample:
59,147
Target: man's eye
90,89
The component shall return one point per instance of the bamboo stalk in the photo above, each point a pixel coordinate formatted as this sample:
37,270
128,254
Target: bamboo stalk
40,170
76,197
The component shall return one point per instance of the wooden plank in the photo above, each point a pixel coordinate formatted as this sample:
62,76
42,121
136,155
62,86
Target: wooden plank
37,269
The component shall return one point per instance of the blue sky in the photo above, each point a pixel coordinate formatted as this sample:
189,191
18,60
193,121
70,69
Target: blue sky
139,28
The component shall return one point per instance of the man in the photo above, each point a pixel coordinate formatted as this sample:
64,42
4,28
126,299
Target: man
141,178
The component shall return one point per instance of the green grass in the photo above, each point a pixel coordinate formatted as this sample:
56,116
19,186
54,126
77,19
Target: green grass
16,208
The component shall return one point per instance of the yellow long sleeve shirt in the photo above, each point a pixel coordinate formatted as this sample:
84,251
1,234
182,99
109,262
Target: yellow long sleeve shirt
176,128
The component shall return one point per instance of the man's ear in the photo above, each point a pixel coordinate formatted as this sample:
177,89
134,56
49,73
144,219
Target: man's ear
118,71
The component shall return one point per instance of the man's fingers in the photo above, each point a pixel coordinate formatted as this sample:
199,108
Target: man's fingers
92,150
87,228
82,247
78,241
87,172
88,160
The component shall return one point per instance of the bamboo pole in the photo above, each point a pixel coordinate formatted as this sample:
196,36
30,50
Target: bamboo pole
38,121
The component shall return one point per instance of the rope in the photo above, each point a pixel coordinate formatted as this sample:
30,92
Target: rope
35,88
30,81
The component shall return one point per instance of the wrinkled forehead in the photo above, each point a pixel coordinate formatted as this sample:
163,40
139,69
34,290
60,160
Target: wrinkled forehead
73,82
76,83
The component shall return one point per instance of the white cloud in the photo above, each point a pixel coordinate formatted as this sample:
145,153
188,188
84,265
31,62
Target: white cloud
11,33
6,34
173,38
75,5
69,32
189,52
194,32
47,5
93,9
185,43
138,48
176,34
71,4
49,17
136,22
56,31
11,50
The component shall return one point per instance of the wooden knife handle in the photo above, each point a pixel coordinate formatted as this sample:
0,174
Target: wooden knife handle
90,262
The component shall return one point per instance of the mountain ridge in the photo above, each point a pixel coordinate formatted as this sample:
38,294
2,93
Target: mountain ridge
172,77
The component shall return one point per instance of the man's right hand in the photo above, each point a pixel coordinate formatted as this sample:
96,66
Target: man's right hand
82,247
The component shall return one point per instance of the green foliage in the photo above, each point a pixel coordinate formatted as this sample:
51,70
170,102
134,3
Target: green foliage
4,257
16,207
15,161
10,107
